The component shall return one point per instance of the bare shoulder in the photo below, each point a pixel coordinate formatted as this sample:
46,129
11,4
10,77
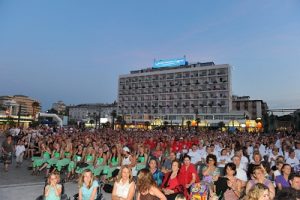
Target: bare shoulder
154,190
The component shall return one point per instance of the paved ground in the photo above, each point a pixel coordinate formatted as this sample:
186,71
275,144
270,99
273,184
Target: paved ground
18,184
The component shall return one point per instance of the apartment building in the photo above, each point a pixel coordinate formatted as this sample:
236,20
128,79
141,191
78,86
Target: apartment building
28,106
255,108
85,112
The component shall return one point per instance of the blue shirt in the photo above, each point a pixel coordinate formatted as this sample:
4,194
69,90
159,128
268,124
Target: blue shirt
87,192
158,177
52,194
284,183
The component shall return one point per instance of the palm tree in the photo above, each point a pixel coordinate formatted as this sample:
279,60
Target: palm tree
107,125
221,125
198,120
166,124
92,121
188,123
147,124
113,115
121,122
119,119
2,108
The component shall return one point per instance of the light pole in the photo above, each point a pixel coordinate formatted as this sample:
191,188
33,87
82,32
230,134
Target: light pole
99,118
19,115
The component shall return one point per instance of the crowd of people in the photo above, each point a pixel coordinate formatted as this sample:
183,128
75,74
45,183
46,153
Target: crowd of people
154,164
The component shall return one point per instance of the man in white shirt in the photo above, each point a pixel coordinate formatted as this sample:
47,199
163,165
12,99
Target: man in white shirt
244,160
240,172
195,155
278,143
273,156
292,160
262,149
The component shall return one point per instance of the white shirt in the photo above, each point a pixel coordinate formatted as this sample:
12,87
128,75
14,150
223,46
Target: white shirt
297,151
122,190
274,159
195,156
241,174
244,163
19,149
216,152
202,153
126,161
223,158
277,173
292,161
250,150
262,150
278,143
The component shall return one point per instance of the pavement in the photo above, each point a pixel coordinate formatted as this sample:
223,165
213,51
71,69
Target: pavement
19,184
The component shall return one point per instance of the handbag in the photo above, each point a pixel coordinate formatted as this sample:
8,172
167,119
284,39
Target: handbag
82,165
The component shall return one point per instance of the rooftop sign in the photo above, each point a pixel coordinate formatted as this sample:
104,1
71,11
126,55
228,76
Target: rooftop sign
169,63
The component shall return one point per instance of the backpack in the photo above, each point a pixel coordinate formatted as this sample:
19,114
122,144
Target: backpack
199,192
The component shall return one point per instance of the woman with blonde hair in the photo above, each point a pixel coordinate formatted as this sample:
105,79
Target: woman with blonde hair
53,189
258,192
88,186
124,187
147,188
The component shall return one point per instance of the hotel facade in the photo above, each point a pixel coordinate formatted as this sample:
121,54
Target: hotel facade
176,94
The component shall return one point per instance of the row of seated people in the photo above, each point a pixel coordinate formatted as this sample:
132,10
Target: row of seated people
180,183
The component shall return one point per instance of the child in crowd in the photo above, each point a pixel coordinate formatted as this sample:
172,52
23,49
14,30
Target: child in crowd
20,149
53,189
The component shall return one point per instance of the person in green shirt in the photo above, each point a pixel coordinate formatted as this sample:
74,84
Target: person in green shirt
39,161
88,161
100,162
55,156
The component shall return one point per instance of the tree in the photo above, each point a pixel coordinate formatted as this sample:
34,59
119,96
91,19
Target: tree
106,125
53,111
113,115
121,122
2,108
92,121
198,120
221,124
119,119
166,123
72,122
188,123
147,124
10,121
34,124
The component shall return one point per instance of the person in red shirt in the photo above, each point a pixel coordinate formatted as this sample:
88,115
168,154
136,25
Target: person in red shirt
171,186
177,147
151,144
187,174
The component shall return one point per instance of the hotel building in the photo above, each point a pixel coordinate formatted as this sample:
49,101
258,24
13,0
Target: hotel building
177,93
